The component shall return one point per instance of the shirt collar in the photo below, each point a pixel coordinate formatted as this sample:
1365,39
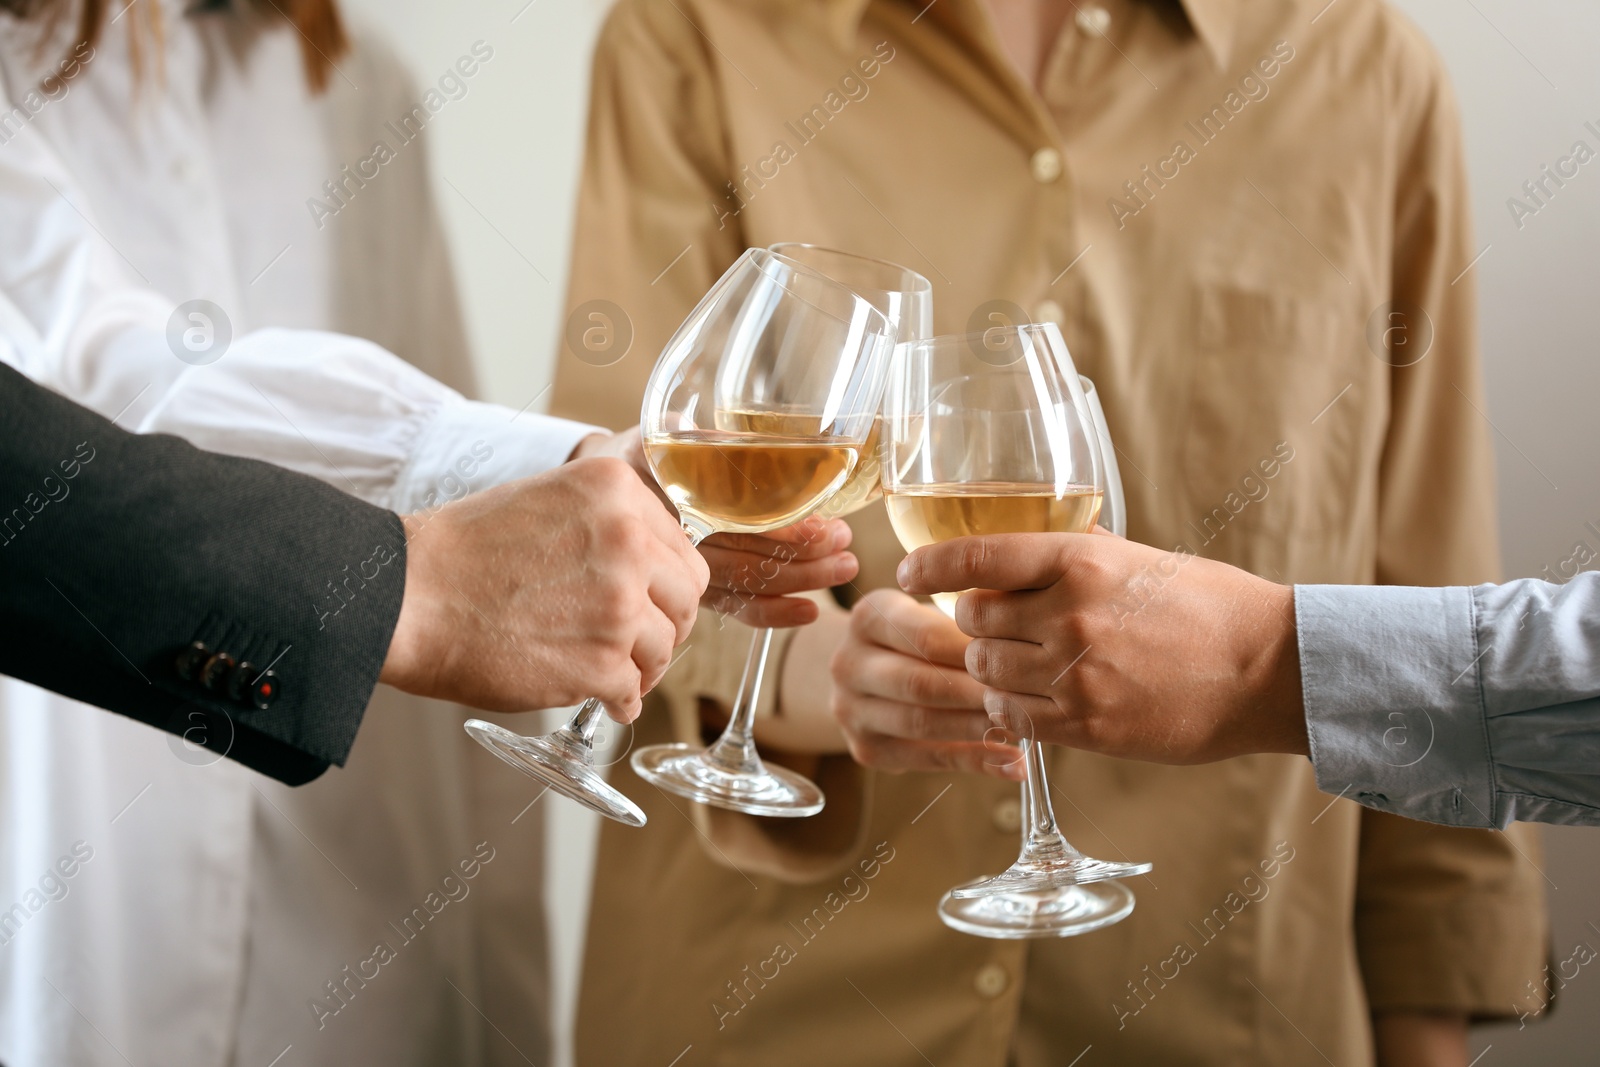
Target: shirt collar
1213,21
844,18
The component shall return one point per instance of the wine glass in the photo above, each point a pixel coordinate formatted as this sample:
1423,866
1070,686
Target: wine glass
1114,511
730,774
771,337
749,443
906,300
992,433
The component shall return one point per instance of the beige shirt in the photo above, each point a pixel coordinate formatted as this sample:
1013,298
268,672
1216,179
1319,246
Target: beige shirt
1218,202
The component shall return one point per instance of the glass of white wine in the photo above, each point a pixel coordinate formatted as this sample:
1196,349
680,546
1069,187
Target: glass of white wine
992,433
1114,510
906,300
757,416
724,775
770,337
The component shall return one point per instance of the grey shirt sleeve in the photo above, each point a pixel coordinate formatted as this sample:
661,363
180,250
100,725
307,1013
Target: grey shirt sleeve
1467,706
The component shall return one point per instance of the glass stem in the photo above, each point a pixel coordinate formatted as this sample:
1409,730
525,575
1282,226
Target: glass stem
1042,842
735,750
577,736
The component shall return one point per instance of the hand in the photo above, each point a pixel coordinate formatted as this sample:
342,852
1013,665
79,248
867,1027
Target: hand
1112,646
545,591
902,695
753,576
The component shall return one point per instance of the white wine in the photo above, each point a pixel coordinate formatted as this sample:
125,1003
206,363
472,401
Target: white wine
938,512
748,482
864,485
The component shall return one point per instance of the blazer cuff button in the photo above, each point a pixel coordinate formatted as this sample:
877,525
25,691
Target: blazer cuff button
264,690
239,682
216,670
189,660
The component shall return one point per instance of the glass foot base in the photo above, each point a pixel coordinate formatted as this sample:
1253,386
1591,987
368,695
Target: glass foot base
553,763
1062,912
1038,877
682,769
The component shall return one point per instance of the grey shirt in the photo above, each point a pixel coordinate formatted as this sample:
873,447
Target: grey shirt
1469,706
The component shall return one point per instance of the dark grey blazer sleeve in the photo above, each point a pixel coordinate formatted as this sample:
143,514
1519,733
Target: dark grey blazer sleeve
241,606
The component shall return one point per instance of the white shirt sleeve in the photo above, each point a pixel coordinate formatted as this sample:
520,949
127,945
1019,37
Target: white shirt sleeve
1468,706
348,412
77,318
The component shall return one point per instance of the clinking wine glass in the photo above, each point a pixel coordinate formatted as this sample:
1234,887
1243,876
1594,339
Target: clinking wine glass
992,433
756,417
722,775
906,300
770,336
1114,511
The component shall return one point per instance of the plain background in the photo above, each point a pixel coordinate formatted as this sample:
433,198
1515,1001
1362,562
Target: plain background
507,158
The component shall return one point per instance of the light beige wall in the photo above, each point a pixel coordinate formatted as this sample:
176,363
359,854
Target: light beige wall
1527,82
505,157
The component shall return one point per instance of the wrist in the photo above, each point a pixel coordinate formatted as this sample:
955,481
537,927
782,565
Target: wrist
592,445
407,662
1277,706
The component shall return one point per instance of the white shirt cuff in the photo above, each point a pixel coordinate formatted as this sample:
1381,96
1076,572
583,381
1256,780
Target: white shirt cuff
468,446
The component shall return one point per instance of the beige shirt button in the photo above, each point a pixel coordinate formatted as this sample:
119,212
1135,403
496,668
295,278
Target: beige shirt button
1093,20
991,980
1046,165
1008,815
1049,311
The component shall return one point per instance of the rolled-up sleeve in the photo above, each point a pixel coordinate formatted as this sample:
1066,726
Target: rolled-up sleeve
1472,707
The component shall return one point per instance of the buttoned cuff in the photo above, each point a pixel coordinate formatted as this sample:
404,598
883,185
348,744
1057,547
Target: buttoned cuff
1394,709
468,446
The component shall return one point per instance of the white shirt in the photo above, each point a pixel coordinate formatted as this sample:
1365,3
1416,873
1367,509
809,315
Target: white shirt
79,314
215,906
